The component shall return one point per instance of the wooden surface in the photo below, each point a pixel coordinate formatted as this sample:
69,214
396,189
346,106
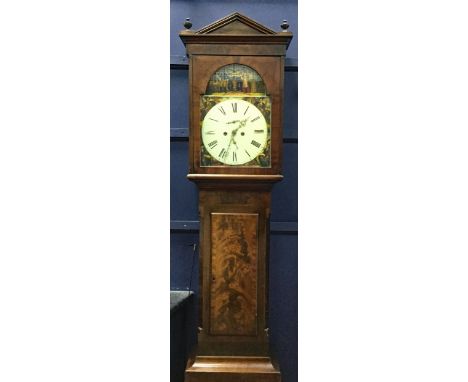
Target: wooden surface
236,24
234,208
235,29
232,369
235,181
233,271
234,274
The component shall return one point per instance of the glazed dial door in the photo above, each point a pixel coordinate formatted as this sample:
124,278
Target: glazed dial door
234,132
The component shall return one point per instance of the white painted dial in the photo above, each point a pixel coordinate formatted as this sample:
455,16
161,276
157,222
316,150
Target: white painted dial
234,132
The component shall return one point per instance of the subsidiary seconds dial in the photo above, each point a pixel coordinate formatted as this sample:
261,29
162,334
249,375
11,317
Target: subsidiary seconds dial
234,132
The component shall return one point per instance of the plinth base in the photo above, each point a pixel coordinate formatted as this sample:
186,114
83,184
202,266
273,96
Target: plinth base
231,369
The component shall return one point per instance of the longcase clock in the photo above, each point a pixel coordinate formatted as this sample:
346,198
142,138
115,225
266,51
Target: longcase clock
236,72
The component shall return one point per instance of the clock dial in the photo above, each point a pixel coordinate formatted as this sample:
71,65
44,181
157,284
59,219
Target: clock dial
234,132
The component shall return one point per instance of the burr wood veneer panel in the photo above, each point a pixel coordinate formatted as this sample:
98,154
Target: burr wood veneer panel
234,250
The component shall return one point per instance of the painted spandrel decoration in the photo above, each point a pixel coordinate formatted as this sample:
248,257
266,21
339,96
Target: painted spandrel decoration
234,274
238,131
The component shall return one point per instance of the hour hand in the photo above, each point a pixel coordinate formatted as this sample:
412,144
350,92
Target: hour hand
237,121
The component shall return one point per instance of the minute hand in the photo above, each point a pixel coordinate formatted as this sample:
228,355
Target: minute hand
241,124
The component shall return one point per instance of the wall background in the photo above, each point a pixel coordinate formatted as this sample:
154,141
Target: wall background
184,198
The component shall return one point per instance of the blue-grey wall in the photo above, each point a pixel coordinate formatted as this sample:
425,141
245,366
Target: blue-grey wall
184,214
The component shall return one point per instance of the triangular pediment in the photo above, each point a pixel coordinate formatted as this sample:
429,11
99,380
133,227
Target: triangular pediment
236,24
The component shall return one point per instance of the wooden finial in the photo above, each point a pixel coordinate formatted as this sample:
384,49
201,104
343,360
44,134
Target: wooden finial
188,23
285,26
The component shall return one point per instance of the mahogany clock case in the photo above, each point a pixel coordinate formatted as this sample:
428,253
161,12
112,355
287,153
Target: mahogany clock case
283,228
